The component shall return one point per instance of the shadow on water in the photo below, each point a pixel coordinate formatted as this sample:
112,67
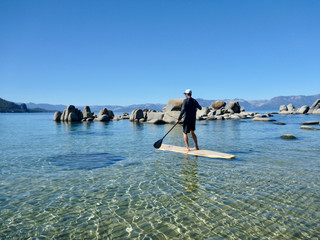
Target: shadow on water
86,161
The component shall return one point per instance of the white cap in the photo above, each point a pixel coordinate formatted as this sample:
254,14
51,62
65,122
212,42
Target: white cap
188,91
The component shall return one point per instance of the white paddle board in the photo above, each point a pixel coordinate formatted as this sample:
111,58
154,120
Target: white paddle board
202,153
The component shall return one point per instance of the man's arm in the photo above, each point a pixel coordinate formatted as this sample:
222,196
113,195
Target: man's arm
198,106
183,110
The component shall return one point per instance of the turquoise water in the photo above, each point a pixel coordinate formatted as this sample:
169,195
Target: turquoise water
106,181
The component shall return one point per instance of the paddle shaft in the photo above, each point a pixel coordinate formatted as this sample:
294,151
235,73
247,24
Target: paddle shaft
170,130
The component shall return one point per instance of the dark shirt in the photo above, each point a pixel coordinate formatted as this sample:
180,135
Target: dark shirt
189,108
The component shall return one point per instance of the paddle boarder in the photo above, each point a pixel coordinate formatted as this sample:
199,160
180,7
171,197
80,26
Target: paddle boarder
189,109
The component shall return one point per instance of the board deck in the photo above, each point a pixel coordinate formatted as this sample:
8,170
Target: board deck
203,153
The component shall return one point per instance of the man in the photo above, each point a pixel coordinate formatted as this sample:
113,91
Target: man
189,108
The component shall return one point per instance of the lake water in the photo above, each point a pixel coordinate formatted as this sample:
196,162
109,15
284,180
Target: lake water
106,181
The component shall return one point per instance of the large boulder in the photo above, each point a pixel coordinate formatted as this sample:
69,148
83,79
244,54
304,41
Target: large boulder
155,116
234,106
283,108
203,112
174,105
218,105
87,112
171,117
291,108
57,116
105,111
314,107
71,110
303,110
136,115
102,118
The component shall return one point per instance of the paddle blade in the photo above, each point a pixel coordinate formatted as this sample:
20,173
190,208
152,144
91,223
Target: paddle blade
157,144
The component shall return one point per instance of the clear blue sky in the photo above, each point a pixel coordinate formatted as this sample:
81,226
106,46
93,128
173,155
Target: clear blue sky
127,52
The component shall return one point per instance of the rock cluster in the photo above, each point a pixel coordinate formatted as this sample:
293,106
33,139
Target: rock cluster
72,114
218,110
290,109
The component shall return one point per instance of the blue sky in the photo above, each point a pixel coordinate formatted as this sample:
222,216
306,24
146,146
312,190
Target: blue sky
129,52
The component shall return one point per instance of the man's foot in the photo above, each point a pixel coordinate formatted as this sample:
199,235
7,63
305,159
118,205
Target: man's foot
188,149
196,148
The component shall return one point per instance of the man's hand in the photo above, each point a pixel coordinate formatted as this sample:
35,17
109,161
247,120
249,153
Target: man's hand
178,121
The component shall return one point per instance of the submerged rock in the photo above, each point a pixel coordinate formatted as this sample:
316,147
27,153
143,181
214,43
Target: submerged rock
310,123
288,136
263,119
279,123
308,128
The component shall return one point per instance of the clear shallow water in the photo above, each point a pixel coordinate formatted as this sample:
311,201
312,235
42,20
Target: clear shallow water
106,181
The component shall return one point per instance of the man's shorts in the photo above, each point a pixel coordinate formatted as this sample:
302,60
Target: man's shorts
189,126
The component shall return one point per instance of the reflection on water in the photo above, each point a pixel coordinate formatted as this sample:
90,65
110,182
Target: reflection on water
189,171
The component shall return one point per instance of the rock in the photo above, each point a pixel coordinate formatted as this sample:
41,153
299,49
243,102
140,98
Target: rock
117,117
219,117
316,111
218,104
242,109
171,117
291,108
310,123
235,106
105,111
263,119
203,112
285,112
283,108
57,116
76,114
156,121
87,112
227,116
235,116
314,107
136,115
288,136
102,118
110,114
219,112
89,119
261,115
174,105
229,111
279,123
155,116
125,116
308,128
303,110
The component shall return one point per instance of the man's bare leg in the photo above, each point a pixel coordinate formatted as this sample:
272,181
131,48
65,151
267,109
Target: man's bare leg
185,137
194,136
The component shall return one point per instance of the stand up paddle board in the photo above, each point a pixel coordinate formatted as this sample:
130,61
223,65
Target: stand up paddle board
202,153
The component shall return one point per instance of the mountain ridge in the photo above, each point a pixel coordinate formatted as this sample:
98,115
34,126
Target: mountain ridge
263,104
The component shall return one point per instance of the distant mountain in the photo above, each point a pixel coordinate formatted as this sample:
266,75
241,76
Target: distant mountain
249,105
272,104
97,108
10,107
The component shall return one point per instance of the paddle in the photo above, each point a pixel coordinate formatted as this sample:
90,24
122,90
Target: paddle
158,143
